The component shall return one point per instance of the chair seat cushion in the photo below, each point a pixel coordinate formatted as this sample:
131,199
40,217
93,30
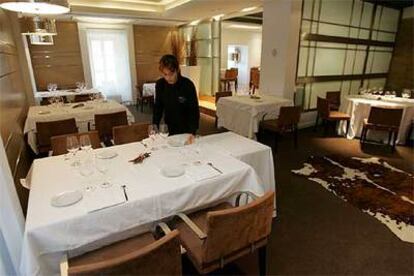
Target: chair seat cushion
379,126
114,250
272,125
336,115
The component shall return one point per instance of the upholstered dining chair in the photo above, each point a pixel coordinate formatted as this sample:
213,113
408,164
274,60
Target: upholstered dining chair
334,98
141,99
383,119
221,234
105,122
59,142
287,121
130,133
324,112
219,95
254,79
46,130
140,255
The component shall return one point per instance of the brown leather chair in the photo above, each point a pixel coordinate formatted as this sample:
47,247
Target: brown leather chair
324,112
230,75
219,95
141,255
254,79
130,133
287,121
383,119
46,130
334,98
82,98
59,142
219,235
141,99
105,122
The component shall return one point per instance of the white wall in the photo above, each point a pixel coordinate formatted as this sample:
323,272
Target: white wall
281,25
250,38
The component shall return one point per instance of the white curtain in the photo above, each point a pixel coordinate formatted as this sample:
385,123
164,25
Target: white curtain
109,62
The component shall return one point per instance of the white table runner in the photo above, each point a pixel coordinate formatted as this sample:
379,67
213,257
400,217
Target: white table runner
50,231
83,116
242,114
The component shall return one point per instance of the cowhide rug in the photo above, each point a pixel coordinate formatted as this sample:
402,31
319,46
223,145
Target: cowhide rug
370,184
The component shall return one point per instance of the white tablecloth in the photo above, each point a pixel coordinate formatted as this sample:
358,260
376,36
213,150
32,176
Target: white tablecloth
50,232
148,89
82,115
242,114
358,107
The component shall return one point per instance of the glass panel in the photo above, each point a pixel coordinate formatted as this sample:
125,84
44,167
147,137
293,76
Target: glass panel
346,86
205,75
303,54
354,89
216,74
350,57
367,15
381,62
364,34
311,61
356,16
376,83
316,10
377,18
216,47
359,63
306,26
203,48
329,11
307,9
389,19
319,90
203,31
381,36
328,29
329,62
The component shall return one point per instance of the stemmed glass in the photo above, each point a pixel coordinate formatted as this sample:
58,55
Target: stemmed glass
72,146
152,134
164,131
102,165
87,170
85,142
50,87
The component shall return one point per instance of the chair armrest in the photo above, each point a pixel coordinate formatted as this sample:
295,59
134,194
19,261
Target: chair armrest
166,229
263,117
64,266
201,235
248,194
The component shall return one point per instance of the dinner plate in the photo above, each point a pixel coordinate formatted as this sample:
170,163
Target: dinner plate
172,171
42,112
66,198
106,154
178,140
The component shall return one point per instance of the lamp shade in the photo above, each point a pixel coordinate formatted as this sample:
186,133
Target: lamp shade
38,26
37,6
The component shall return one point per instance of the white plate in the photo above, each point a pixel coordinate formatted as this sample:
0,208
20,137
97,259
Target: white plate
42,112
178,140
106,154
66,198
172,171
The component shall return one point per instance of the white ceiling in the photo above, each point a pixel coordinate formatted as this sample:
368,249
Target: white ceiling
160,12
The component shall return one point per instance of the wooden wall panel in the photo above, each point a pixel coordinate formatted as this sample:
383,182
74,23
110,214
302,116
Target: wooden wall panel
13,107
401,74
60,63
151,43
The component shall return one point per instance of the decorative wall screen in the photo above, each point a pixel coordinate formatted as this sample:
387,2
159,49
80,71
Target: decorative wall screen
345,45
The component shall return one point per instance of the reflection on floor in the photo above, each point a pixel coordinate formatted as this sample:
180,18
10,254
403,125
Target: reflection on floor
207,105
315,232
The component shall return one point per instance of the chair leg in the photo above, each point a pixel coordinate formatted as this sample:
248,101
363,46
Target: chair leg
390,138
262,260
316,123
361,138
347,128
394,141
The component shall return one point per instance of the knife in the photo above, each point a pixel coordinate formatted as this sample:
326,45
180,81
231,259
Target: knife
211,165
125,194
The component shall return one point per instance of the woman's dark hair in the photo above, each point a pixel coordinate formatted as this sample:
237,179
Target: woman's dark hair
170,62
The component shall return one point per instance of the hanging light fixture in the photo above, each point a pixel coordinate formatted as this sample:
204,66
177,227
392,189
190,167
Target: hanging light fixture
41,7
38,26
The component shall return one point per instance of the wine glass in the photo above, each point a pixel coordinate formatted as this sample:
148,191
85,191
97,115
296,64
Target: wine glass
152,134
86,169
102,165
72,146
85,142
50,87
164,131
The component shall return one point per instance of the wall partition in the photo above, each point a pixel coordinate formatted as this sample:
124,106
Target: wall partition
345,45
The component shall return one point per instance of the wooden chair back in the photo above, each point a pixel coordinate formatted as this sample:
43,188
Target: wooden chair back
322,105
46,130
130,133
390,117
231,73
219,95
233,229
254,77
105,122
59,142
81,98
162,257
289,117
334,97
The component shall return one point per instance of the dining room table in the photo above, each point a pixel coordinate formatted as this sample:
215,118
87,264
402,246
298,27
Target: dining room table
242,113
359,106
83,113
129,198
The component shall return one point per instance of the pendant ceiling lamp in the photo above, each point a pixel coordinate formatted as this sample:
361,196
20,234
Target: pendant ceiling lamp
38,26
40,7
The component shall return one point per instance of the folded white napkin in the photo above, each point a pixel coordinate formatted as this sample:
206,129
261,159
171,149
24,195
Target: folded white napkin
201,172
101,198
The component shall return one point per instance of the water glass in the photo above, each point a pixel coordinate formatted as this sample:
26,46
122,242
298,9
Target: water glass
164,131
85,142
103,165
72,146
86,169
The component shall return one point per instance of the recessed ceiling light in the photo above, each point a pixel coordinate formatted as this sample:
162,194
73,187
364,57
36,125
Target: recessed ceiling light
37,7
248,9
